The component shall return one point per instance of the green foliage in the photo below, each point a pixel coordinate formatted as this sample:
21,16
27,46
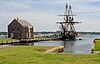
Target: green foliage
44,32
3,33
92,33
36,55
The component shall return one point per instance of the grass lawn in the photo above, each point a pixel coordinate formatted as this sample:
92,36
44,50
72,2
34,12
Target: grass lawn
97,45
36,55
8,39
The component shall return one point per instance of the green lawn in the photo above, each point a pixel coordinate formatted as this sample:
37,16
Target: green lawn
4,40
97,45
7,39
36,55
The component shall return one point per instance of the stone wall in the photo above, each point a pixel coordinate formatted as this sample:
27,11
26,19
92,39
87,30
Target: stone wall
58,49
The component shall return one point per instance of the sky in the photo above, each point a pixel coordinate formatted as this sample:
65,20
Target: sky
42,14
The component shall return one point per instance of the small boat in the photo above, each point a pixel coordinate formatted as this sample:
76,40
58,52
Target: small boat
79,38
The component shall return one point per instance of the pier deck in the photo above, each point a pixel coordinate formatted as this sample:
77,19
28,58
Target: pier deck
11,41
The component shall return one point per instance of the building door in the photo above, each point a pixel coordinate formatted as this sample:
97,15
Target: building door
12,35
27,35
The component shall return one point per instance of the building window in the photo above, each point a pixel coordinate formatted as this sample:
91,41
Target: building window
12,29
19,34
17,28
31,29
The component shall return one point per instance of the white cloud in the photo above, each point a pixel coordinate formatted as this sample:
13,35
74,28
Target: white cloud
44,17
41,20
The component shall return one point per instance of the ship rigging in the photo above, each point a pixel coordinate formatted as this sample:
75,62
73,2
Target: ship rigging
67,30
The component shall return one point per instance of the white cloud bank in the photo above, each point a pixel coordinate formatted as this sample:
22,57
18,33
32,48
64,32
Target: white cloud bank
43,13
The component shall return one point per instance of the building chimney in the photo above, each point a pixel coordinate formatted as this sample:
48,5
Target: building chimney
17,18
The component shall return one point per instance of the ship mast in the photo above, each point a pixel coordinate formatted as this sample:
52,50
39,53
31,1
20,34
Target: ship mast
68,25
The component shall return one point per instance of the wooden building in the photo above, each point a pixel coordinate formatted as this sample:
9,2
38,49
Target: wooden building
20,29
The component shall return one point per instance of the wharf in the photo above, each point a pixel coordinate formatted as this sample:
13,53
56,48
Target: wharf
14,41
36,40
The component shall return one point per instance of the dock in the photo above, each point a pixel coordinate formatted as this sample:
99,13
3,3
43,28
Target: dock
36,40
15,41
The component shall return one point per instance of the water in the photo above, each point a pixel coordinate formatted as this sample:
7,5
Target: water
83,46
73,47
2,36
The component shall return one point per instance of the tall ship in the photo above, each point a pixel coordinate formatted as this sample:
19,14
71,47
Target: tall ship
67,29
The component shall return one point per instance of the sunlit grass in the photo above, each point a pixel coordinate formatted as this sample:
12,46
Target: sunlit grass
97,45
7,39
36,55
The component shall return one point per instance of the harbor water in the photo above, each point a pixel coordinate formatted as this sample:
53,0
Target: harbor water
83,46
2,36
71,47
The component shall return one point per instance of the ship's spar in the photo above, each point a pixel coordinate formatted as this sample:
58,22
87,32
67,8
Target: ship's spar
67,27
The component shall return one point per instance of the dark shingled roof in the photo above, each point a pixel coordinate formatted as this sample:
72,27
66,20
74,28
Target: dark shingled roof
24,23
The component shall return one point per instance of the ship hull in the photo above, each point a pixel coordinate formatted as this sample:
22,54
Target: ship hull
67,37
